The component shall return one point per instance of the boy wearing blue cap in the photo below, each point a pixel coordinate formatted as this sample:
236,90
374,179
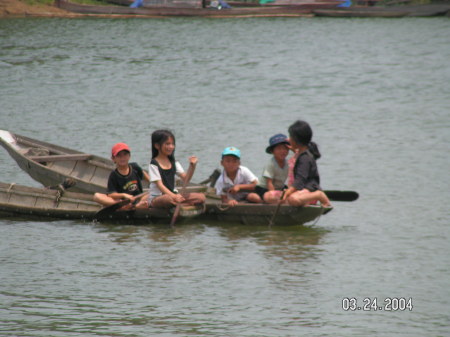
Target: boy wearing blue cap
236,181
275,173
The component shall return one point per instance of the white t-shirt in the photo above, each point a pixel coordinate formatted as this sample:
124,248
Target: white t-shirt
276,173
243,176
155,176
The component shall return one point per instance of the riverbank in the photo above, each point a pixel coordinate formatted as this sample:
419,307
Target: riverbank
16,8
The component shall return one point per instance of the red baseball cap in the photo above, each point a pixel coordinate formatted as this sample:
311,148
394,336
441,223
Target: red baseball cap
119,147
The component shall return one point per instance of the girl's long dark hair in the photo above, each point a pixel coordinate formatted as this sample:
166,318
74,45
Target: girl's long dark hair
160,137
302,134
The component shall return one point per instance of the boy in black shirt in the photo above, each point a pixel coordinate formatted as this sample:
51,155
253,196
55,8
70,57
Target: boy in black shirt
125,182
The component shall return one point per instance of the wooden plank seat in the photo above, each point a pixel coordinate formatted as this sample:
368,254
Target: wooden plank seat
61,157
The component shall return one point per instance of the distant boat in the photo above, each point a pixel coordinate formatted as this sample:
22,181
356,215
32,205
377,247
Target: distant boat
199,9
438,9
360,13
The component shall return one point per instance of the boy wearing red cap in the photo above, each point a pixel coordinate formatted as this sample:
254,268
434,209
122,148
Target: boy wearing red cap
125,182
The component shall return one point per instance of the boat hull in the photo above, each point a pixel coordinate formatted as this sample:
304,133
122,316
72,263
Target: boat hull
262,214
32,202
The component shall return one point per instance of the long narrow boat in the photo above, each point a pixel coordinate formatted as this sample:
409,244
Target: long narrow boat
51,164
23,201
360,13
297,10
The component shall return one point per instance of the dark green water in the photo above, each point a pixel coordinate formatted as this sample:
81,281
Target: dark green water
376,93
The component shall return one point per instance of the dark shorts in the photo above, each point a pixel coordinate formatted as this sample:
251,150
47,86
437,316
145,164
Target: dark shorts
260,191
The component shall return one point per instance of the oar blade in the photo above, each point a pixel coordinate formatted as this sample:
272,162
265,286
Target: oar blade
105,212
342,195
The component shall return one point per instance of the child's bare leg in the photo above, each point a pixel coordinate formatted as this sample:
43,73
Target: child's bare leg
195,198
143,204
324,199
302,197
272,197
162,201
103,199
253,197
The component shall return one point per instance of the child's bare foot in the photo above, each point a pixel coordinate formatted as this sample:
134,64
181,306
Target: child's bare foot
127,207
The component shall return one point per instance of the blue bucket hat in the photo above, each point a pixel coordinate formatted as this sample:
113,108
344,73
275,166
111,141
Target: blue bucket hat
231,151
275,140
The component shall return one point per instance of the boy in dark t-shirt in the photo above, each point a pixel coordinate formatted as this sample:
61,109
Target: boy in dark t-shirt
130,183
125,182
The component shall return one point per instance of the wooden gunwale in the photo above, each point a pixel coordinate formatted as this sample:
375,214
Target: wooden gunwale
61,157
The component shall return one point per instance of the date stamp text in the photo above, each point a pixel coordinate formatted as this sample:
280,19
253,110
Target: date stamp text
374,304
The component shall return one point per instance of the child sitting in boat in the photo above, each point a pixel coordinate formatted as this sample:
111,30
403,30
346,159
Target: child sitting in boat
235,182
163,169
305,187
275,173
125,182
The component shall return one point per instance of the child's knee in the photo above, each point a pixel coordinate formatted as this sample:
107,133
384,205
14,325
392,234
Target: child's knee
201,197
295,199
272,196
253,197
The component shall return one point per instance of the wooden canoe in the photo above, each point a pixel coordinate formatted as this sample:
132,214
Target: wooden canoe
51,164
32,202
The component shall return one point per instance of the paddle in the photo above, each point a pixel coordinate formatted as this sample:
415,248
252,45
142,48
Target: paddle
342,195
108,210
212,178
272,221
335,195
189,175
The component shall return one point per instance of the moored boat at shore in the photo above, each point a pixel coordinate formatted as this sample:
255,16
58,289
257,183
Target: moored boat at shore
295,10
399,11
360,13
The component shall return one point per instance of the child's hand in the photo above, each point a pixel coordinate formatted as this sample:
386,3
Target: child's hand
232,203
128,196
234,189
193,160
287,193
178,198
